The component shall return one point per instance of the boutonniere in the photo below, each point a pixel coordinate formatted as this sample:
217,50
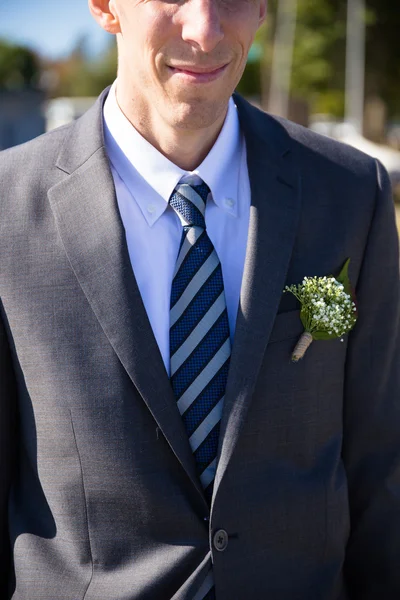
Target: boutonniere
328,308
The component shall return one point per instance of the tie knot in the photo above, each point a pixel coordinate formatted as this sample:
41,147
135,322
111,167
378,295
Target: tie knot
189,202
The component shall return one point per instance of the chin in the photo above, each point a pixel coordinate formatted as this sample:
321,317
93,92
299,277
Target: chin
197,113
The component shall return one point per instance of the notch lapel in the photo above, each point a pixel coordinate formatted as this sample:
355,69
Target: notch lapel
85,208
274,215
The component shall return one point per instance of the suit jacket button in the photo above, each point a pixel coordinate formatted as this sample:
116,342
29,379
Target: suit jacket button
220,540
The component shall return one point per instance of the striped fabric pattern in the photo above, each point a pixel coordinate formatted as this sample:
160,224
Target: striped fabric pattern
200,345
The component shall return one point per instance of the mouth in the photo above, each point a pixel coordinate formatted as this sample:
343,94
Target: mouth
197,74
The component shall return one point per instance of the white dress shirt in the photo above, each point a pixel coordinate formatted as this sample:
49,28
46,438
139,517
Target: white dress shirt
144,181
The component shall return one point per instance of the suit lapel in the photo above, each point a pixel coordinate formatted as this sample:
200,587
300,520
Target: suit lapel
274,214
85,209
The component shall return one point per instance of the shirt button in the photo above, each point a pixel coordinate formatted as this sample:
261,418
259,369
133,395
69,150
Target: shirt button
220,540
229,202
151,209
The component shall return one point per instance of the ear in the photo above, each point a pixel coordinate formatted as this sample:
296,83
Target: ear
263,11
105,13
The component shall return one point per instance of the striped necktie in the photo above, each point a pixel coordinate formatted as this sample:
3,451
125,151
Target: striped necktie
200,346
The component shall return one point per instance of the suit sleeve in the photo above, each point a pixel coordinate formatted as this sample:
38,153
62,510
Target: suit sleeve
8,403
371,442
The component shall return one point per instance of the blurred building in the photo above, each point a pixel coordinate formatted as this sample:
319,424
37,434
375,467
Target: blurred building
21,116
60,111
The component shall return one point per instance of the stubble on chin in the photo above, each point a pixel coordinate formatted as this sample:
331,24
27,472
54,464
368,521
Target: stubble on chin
192,111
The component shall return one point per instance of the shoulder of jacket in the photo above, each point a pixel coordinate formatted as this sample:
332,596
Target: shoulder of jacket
311,147
310,151
42,149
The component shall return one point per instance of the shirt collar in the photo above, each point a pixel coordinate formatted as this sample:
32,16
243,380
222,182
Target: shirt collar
126,148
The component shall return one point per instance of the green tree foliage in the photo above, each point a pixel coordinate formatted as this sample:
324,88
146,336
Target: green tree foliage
318,74
319,54
383,53
19,67
80,76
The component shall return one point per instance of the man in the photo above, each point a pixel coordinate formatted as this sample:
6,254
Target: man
157,442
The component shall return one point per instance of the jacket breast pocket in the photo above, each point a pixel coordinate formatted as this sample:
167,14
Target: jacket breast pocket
299,404
287,326
320,371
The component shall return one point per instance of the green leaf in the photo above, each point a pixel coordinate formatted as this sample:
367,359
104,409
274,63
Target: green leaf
343,277
324,335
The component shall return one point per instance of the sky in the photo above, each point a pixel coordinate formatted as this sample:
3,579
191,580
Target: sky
50,27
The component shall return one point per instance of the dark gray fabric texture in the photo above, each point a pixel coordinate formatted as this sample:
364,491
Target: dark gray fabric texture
99,495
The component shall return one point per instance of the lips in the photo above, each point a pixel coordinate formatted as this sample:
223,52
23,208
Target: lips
198,74
196,69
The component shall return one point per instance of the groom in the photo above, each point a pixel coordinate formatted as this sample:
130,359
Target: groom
156,441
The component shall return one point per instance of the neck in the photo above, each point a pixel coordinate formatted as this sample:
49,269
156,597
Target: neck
184,147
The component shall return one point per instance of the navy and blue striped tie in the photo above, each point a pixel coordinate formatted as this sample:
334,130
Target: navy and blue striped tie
200,345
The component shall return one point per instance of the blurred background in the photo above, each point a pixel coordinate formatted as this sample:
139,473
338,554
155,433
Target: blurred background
331,65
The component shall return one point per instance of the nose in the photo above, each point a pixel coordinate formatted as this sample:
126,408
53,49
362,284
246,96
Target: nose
201,24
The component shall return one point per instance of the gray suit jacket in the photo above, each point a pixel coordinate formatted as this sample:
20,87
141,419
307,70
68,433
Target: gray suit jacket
99,496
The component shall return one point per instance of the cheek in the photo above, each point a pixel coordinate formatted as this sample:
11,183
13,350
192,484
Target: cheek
141,43
145,28
241,27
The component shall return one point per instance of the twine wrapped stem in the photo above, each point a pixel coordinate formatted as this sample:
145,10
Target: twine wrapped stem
302,345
